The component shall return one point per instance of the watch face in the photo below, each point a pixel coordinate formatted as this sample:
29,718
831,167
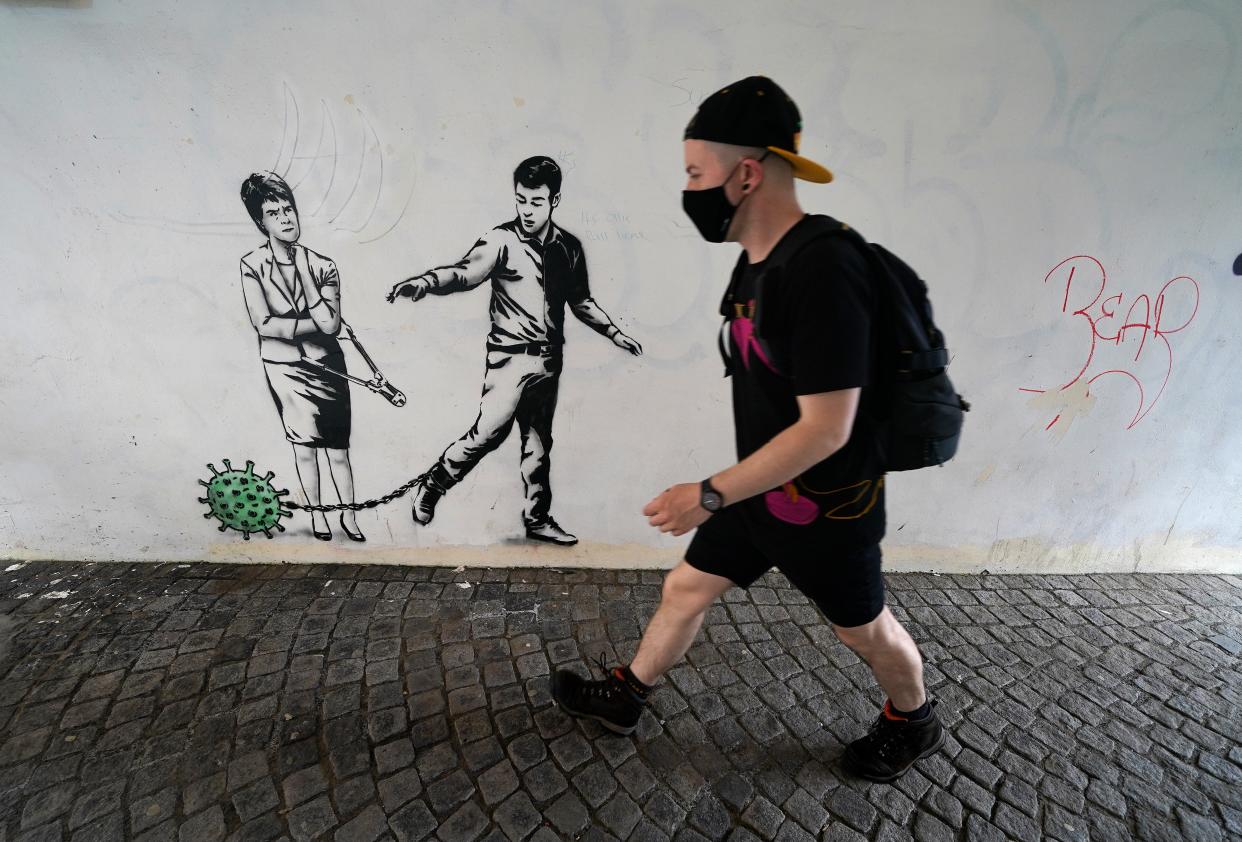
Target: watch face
711,501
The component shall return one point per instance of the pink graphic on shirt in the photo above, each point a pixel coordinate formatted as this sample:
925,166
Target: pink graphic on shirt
743,330
788,505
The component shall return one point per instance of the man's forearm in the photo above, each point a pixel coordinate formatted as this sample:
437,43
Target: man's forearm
467,273
443,280
791,452
592,315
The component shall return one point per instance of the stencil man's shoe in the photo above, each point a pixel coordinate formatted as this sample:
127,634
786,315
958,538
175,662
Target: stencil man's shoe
893,744
427,493
550,532
610,702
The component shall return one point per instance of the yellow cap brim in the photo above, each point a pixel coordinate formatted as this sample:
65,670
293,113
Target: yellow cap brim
804,168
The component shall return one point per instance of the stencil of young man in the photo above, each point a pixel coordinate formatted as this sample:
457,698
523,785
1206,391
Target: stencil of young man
536,268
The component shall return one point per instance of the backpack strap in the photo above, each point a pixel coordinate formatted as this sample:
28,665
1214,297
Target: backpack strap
811,228
922,360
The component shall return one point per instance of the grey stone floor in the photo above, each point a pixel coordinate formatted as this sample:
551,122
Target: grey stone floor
203,702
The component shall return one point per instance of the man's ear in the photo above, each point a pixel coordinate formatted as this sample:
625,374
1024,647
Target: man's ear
556,200
753,178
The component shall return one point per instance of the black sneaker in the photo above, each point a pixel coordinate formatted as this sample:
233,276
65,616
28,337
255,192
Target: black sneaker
424,504
550,532
893,744
609,701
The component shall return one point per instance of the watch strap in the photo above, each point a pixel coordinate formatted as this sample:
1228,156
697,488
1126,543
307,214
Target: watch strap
705,488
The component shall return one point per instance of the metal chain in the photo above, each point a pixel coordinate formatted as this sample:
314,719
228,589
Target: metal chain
366,504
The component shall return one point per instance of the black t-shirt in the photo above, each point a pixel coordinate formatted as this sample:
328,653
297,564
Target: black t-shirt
818,328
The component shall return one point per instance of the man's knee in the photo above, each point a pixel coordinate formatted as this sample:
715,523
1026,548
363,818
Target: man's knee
483,438
868,636
691,590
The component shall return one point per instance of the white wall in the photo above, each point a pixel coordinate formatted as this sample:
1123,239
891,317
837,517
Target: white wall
985,142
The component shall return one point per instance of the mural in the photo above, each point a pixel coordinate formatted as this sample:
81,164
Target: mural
536,268
293,296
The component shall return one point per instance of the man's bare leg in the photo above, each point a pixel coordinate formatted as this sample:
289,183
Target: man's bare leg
893,656
687,596
618,699
906,731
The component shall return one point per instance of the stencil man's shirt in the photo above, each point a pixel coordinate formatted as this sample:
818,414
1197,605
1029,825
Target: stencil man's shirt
532,281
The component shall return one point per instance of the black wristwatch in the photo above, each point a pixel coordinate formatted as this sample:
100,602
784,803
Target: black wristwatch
709,497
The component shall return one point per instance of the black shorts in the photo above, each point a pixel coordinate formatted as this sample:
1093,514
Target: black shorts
842,578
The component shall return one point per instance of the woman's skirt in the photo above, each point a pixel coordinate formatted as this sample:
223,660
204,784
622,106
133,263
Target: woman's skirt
313,405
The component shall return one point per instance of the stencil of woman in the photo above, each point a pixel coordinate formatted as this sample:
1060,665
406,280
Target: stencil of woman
293,296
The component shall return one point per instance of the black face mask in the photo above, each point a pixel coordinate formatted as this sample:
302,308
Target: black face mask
710,210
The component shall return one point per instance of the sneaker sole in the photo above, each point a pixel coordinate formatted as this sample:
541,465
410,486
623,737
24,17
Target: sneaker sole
611,726
551,541
886,779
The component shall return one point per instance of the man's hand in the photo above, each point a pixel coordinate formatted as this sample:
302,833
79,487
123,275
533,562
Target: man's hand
625,343
677,510
411,288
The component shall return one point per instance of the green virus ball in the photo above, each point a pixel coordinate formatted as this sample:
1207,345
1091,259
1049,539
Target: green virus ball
244,502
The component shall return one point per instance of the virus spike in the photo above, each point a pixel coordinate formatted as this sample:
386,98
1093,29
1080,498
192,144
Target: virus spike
246,535
203,500
270,476
250,467
209,515
223,526
268,533
214,472
204,484
280,528
281,493
227,464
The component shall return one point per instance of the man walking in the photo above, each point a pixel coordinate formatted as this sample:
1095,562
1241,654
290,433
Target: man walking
807,495
535,268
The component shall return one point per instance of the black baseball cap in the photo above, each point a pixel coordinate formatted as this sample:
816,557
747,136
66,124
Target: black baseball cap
756,112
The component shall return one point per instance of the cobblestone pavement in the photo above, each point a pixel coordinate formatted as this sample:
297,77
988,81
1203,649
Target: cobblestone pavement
204,702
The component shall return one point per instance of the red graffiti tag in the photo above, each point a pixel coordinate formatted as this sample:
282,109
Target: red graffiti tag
1109,320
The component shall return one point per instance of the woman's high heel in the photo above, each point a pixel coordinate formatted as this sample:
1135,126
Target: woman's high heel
353,536
326,535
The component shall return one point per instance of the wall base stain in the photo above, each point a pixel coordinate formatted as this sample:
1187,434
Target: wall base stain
1033,555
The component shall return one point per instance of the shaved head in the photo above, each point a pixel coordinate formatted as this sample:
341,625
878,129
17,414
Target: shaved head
709,163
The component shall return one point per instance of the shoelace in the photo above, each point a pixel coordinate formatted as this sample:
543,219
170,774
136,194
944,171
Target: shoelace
604,688
886,735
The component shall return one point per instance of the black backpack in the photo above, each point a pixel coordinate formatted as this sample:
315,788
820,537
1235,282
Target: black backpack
919,412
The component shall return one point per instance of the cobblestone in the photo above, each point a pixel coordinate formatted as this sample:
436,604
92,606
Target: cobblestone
364,703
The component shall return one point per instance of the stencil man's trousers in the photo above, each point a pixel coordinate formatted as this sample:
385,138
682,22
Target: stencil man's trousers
516,387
